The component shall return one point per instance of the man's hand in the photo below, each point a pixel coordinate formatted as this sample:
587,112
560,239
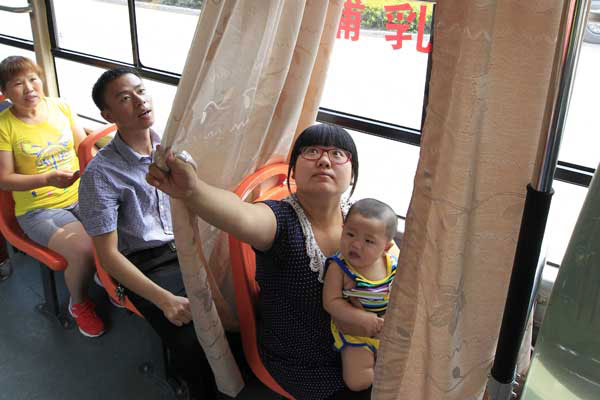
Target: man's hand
176,309
179,182
61,178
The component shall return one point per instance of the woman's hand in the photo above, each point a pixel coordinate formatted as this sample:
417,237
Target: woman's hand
179,182
61,178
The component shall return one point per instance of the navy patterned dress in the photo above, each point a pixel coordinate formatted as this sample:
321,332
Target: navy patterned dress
294,334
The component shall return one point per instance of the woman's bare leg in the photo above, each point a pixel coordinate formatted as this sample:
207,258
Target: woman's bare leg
73,243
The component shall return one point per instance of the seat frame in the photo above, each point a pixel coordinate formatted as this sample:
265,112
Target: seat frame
243,263
48,260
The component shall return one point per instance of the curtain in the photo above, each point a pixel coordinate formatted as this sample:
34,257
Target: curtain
491,65
252,81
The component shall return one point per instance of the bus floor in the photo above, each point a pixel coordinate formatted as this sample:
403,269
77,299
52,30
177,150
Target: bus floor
39,359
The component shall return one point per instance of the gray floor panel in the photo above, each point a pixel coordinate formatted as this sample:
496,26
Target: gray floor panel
39,359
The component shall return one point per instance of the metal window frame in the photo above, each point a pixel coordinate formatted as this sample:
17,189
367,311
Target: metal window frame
566,171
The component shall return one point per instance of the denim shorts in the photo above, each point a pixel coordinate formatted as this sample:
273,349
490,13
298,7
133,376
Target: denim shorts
41,224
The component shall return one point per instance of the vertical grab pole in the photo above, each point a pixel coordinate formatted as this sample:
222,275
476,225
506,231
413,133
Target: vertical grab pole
537,204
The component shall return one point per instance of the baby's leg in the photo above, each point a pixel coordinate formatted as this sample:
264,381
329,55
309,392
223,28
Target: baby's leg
358,363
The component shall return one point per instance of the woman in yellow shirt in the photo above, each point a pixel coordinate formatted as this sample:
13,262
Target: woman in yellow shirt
38,163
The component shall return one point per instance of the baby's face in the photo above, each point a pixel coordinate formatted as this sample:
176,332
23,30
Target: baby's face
363,240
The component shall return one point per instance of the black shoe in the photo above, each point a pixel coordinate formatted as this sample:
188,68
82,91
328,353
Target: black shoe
5,270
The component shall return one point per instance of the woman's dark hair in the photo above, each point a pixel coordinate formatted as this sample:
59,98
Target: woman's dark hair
12,66
325,135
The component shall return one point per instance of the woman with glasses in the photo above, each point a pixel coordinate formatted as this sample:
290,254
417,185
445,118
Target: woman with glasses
292,239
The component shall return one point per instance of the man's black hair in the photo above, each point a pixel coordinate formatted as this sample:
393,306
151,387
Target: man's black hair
102,82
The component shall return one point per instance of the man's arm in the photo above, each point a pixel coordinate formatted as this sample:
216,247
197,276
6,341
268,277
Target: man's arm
348,319
176,308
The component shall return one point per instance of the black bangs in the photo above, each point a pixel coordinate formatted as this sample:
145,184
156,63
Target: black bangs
330,136
327,135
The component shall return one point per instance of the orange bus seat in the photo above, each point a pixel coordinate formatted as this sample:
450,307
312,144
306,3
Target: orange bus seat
51,260
243,263
84,152
85,155
4,103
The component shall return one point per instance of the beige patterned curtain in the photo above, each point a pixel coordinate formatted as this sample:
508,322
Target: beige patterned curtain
252,80
491,65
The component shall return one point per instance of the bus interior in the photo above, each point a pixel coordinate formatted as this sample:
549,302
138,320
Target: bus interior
377,89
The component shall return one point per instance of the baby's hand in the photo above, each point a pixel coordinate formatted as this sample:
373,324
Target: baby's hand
372,324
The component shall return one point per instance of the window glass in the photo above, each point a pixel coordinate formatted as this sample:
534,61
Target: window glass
6,51
368,77
387,170
166,49
162,97
15,24
564,210
78,92
100,28
581,139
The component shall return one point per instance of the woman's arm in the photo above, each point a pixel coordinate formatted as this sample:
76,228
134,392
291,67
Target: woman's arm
78,135
348,319
9,180
254,224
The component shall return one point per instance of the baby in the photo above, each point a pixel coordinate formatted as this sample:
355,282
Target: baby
357,285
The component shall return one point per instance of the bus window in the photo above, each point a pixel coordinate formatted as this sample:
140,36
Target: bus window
100,28
15,24
165,49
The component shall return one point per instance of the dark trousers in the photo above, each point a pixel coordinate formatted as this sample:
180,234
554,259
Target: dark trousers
187,359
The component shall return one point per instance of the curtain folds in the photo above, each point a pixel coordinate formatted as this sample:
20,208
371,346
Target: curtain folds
491,64
252,81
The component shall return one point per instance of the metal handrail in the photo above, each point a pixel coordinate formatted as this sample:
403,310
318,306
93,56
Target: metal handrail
19,10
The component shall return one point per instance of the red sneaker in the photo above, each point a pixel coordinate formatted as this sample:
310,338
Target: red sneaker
87,320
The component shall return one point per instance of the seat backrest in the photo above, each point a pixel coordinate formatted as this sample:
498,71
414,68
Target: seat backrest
84,152
279,190
243,263
4,103
12,232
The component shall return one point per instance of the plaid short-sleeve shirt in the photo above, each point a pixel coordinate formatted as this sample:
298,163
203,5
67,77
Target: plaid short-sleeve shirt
114,195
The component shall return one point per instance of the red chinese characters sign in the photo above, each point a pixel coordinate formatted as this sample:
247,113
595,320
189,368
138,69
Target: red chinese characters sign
350,20
402,13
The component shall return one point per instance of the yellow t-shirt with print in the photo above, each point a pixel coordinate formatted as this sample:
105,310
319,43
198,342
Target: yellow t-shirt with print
38,149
